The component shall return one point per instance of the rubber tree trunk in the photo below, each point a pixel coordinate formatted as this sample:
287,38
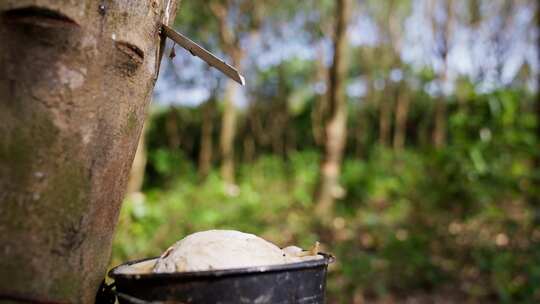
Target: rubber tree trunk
335,129
75,80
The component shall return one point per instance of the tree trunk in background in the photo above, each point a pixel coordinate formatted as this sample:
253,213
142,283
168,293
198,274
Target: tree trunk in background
360,134
75,80
231,45
501,44
439,131
279,122
207,128
335,129
228,132
254,122
401,107
385,116
317,114
250,137
424,131
402,111
136,175
362,119
249,148
534,197
171,128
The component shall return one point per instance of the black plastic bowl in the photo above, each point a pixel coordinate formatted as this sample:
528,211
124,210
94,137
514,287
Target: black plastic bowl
303,282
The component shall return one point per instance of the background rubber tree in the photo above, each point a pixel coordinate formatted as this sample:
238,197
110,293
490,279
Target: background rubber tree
229,26
336,124
442,34
206,152
75,82
396,25
389,18
534,198
222,25
239,23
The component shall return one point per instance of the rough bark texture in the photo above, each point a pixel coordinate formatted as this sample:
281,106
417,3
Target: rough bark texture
75,80
335,129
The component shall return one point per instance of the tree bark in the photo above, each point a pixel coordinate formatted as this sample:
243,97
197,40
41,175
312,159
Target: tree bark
335,128
206,151
75,80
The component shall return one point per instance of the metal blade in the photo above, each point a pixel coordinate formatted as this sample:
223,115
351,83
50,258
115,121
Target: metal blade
205,55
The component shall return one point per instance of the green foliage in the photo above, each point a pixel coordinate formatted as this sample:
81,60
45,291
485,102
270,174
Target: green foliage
392,232
416,220
421,220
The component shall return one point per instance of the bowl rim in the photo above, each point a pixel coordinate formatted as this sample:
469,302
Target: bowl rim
114,274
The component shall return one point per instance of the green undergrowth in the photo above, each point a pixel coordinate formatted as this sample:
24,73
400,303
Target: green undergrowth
415,221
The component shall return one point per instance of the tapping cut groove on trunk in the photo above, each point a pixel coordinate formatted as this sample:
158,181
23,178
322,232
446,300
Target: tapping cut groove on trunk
39,16
131,57
131,50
